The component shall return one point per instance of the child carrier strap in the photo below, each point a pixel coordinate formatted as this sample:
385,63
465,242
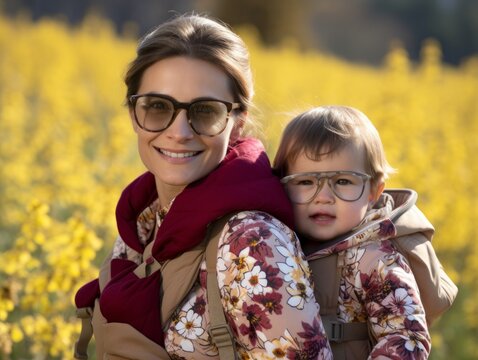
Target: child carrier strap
81,346
220,331
327,272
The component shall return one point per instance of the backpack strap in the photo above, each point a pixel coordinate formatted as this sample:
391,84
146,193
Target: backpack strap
219,331
337,331
81,346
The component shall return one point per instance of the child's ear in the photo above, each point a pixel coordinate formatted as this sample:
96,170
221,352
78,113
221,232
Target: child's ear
376,189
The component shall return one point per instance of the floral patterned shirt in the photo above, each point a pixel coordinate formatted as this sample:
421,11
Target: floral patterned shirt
266,292
379,287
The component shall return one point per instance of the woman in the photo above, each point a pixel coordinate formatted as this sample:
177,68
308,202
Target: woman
188,92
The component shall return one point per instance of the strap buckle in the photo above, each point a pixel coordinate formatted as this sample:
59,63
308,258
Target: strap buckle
336,331
221,335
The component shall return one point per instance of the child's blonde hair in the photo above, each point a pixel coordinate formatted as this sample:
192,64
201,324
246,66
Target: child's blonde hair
327,129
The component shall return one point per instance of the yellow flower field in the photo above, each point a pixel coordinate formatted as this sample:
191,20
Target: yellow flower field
67,149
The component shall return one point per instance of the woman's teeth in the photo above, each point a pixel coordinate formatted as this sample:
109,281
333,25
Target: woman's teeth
179,155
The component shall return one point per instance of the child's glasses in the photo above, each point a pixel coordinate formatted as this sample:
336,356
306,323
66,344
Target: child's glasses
304,187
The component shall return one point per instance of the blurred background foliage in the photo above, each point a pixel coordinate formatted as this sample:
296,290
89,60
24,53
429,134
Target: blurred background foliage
68,150
358,30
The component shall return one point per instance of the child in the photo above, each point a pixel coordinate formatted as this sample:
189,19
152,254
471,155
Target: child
334,169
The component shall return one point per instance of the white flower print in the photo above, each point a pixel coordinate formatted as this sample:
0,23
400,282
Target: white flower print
291,268
300,293
189,326
411,344
221,270
225,253
399,302
186,345
235,297
255,281
243,261
277,348
238,266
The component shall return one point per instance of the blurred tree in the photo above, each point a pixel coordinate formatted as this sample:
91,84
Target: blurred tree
454,23
350,29
358,30
275,20
145,14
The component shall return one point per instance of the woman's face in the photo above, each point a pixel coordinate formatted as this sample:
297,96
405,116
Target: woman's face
177,156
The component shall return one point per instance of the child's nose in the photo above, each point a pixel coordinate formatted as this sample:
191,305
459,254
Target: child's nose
324,193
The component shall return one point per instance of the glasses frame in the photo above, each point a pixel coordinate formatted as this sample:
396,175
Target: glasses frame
328,175
177,107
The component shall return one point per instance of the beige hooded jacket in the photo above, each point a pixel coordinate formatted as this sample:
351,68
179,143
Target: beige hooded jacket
357,315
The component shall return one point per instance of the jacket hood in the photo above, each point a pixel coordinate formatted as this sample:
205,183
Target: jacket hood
395,214
408,219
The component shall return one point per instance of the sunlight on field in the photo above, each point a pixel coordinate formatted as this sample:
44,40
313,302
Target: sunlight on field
68,149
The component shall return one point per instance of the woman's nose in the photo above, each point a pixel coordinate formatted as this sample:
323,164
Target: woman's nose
180,128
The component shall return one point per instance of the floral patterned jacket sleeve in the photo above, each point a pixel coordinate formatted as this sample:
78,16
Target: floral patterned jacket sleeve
380,286
266,292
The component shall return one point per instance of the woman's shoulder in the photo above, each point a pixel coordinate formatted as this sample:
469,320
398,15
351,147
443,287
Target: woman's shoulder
251,228
259,220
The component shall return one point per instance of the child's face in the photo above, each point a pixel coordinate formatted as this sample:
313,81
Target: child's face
327,216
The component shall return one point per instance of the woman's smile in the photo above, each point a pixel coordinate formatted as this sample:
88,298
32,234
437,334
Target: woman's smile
178,154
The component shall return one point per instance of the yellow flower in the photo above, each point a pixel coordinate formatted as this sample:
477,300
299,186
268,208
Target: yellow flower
16,333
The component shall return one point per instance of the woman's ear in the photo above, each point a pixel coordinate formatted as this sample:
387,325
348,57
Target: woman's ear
238,127
133,121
